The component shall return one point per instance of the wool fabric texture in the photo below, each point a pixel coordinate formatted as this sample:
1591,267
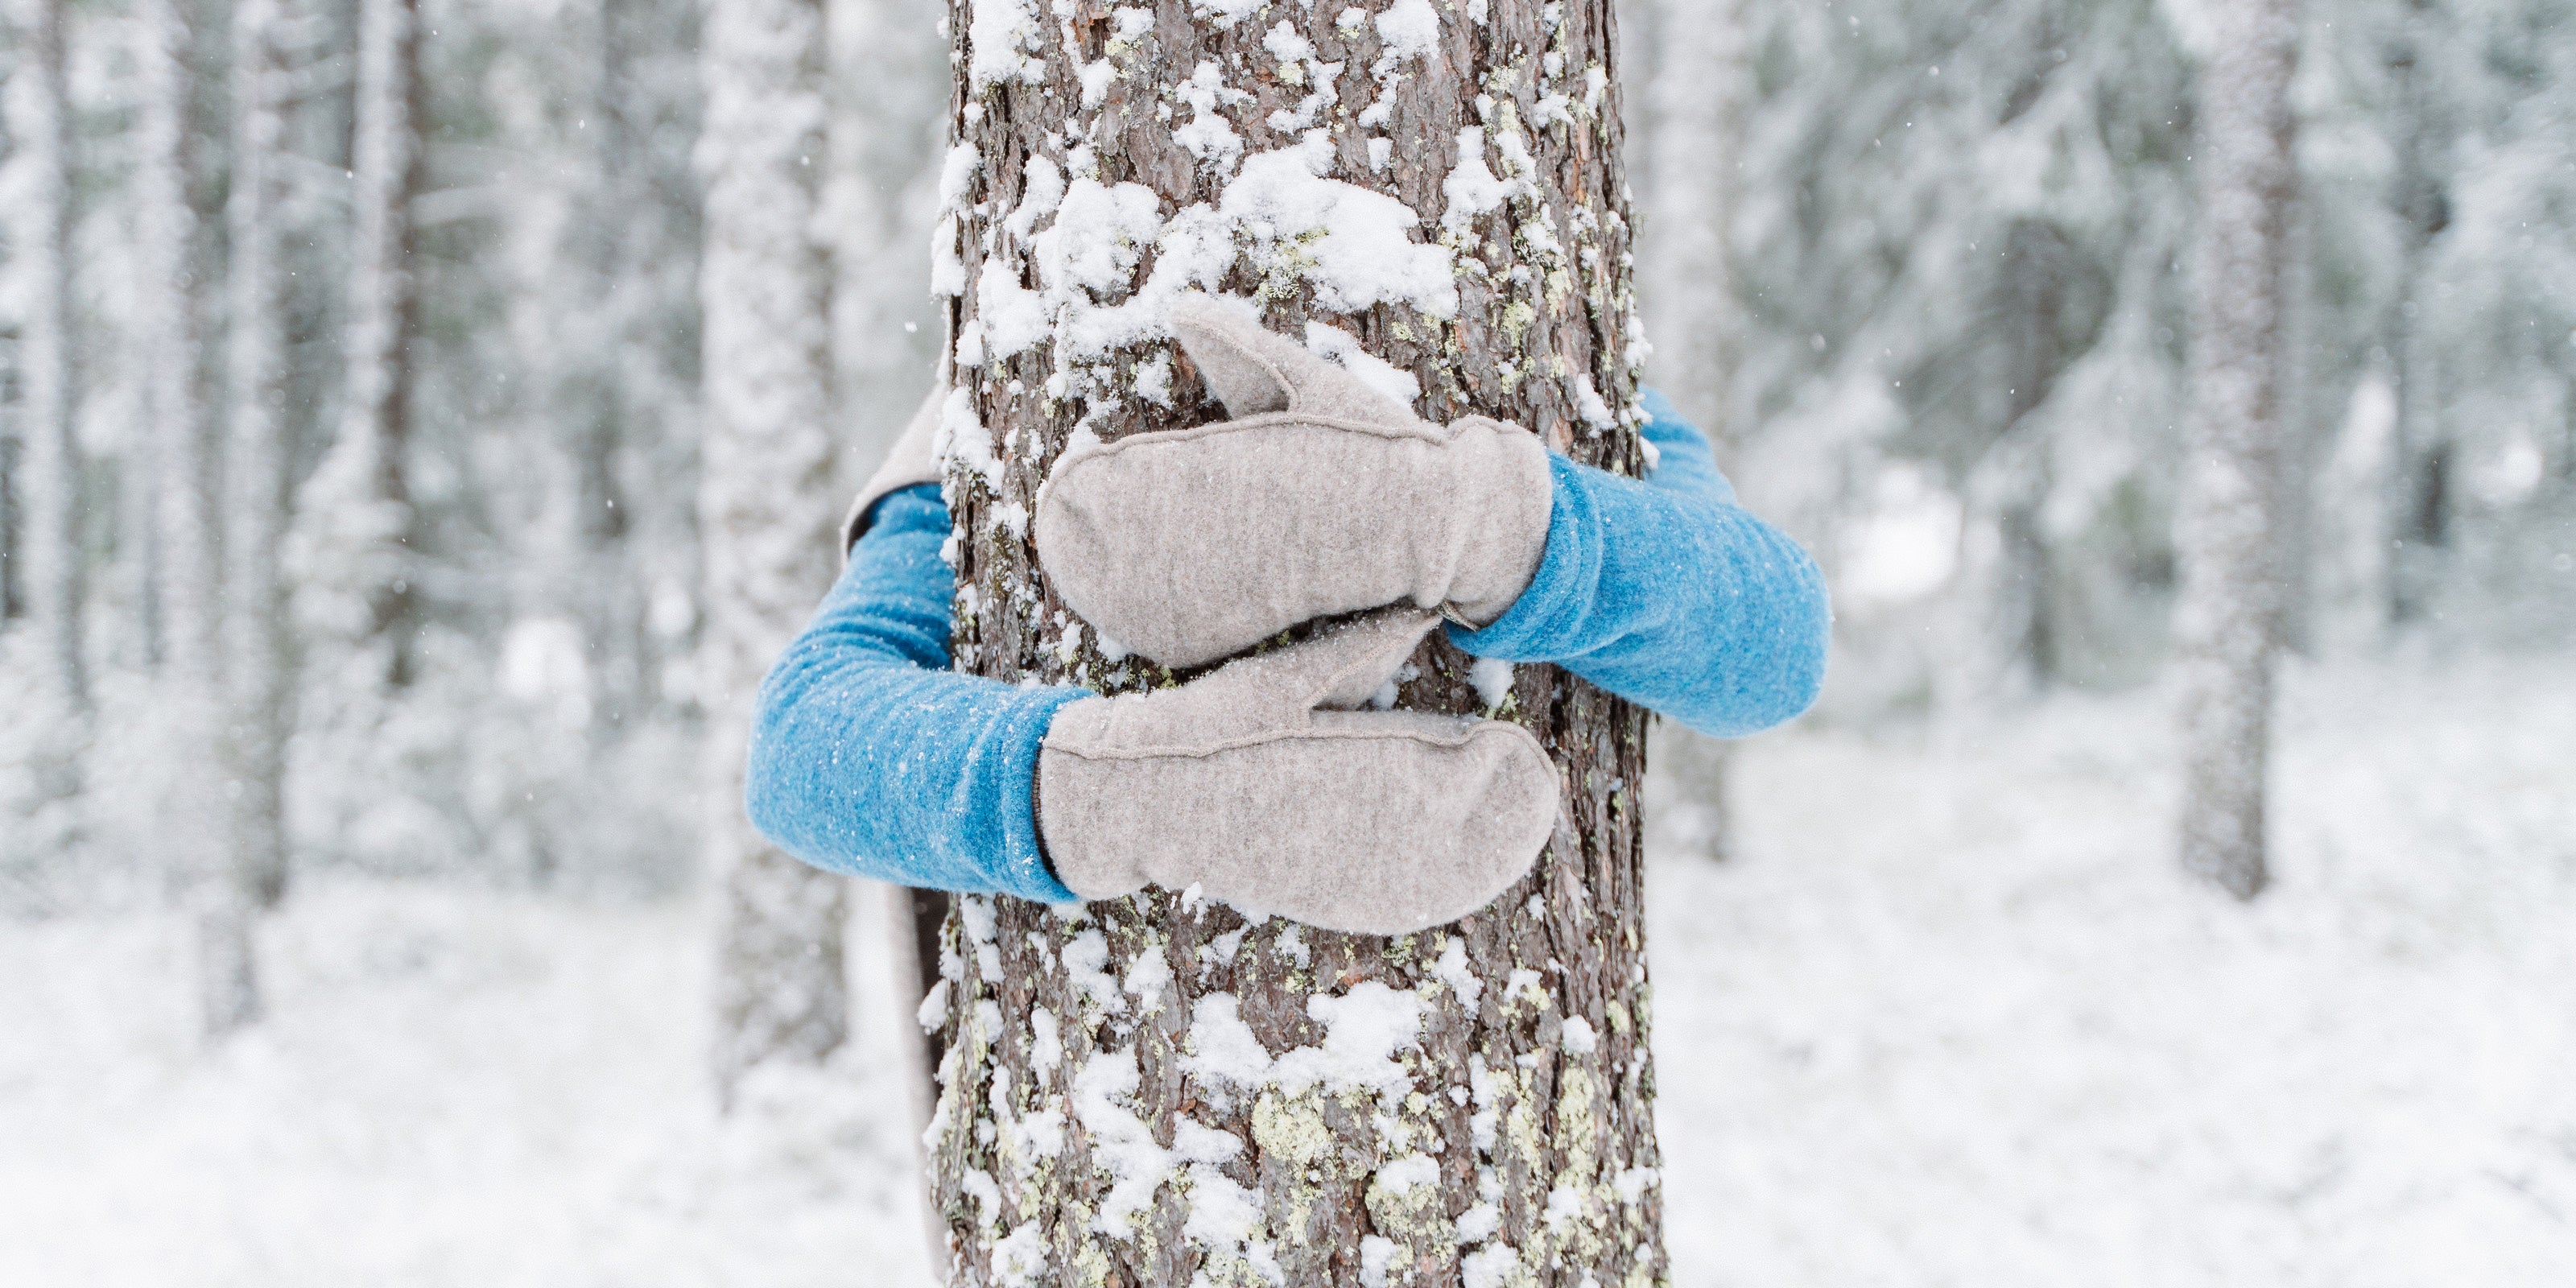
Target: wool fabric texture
1669,594
1320,497
870,757
1272,790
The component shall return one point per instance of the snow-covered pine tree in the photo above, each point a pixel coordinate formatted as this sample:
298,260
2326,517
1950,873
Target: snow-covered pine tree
2225,623
766,509
355,544
1432,194
1897,150
48,474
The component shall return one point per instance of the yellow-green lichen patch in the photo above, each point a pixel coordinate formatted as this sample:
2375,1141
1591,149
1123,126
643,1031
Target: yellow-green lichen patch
1292,1129
1092,1263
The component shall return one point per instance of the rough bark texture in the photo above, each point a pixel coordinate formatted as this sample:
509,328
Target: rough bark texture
2225,623
1091,1128
49,472
765,507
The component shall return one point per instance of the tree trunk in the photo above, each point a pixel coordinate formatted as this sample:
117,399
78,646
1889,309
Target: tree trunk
359,508
255,641
49,471
1696,93
890,87
765,505
1696,96
2225,623
187,503
1125,1091
2419,484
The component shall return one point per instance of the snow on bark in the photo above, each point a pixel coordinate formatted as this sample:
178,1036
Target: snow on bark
1155,1090
49,471
355,579
2224,623
766,505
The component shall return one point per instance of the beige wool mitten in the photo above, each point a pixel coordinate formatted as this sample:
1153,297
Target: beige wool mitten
1322,496
1263,786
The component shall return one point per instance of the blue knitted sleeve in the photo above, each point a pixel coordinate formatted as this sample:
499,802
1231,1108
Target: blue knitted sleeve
869,756
1668,594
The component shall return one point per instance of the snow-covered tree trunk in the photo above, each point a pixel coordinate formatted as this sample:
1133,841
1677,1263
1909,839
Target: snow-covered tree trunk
358,506
2225,622
48,481
187,505
256,660
1155,1091
766,505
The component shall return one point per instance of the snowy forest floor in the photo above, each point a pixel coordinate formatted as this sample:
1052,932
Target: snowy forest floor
1948,1018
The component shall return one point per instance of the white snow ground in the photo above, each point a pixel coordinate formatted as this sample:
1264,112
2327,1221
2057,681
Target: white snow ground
1948,1019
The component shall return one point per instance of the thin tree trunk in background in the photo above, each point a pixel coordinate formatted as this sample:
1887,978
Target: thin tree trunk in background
2225,624
1695,104
362,485
49,468
2304,441
2419,483
255,639
1696,101
186,496
1119,1101
766,505
889,85
595,408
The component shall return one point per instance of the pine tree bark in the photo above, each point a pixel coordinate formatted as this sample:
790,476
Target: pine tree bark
49,469
2225,622
766,506
1104,1117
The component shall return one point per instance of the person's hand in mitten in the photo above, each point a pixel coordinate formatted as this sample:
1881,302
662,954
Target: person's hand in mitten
1264,785
1321,497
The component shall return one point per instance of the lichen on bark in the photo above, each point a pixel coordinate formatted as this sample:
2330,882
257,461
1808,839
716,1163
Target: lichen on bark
1151,1091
